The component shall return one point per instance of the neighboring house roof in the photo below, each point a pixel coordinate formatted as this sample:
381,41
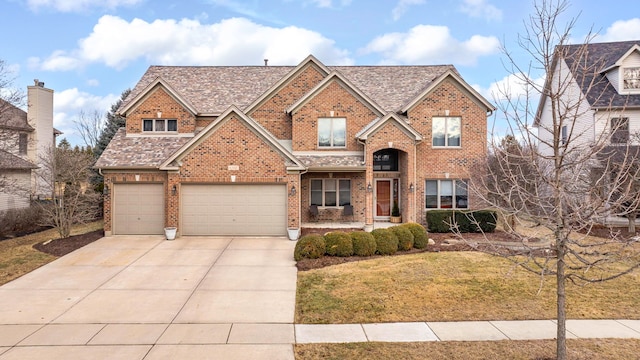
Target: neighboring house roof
597,58
9,161
211,89
138,151
12,117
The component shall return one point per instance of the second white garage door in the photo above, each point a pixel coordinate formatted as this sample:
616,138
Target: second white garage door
234,210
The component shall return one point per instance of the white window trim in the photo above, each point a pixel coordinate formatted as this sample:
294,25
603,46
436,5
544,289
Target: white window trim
624,90
331,135
166,125
446,138
337,206
453,207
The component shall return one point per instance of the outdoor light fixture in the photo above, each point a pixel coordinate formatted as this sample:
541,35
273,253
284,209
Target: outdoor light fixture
369,188
105,189
174,190
159,114
293,190
411,187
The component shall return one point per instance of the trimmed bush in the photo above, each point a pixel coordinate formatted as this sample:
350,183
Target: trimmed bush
439,220
386,241
310,246
405,237
338,243
420,238
364,244
20,221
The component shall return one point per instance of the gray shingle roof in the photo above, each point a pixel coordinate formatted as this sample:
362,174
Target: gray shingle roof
598,57
138,152
12,117
9,161
325,161
212,89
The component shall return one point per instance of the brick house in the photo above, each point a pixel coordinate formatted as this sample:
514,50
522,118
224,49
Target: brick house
256,150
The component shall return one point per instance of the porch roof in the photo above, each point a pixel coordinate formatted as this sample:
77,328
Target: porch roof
333,163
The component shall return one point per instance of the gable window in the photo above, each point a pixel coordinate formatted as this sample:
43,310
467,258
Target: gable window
330,192
631,78
446,131
162,125
385,160
332,132
446,194
619,130
22,144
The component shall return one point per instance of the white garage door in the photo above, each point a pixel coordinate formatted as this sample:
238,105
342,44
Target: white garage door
138,209
234,210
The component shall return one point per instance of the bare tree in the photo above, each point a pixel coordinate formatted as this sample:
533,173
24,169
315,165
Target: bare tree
9,95
89,126
554,177
74,201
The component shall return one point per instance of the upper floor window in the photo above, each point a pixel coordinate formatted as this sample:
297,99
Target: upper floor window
446,194
149,125
22,143
619,130
446,131
385,160
332,132
631,78
330,192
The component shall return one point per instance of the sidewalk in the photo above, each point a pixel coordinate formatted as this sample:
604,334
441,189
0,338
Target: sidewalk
464,331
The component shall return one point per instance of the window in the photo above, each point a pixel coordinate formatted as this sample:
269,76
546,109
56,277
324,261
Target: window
22,143
159,125
330,192
446,131
446,194
564,134
619,130
332,132
631,78
385,160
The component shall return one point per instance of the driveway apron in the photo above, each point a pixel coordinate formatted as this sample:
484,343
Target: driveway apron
143,297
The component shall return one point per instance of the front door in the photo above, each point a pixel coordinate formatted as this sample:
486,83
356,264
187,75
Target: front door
383,198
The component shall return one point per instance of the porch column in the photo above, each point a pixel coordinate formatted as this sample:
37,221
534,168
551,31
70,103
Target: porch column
369,187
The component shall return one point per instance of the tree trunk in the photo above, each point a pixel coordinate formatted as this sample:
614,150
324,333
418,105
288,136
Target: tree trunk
632,222
561,343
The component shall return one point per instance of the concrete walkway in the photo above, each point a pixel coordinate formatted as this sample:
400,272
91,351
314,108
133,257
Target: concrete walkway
142,297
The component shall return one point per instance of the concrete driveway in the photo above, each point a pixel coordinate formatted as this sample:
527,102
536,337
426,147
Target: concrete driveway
143,297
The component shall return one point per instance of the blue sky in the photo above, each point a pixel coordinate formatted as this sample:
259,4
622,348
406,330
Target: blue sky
89,51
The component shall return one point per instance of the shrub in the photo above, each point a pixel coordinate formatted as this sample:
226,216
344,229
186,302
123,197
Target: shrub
405,237
310,246
386,241
20,221
439,220
420,238
364,244
338,243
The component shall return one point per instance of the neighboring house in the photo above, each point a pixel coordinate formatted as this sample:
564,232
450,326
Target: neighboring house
603,93
24,136
251,150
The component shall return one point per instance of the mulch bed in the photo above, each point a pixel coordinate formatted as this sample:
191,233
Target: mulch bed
60,247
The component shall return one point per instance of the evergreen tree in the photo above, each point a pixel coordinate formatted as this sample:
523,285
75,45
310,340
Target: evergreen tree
111,126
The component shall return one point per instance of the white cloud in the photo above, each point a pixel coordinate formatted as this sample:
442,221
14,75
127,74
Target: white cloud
402,7
79,5
329,3
481,9
68,103
237,41
430,44
512,86
621,30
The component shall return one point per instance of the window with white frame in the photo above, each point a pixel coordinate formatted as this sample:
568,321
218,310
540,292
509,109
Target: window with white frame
159,125
631,78
332,132
619,130
330,192
446,131
446,194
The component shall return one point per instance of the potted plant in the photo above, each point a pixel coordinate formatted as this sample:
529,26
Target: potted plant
395,214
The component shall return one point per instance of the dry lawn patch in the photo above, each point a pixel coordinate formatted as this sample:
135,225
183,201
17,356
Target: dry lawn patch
586,349
450,286
18,257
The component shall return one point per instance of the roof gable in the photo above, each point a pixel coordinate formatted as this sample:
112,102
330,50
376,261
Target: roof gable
346,84
441,78
293,163
379,123
149,89
618,62
12,117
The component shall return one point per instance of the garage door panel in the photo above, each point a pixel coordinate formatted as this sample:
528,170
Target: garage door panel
234,209
138,209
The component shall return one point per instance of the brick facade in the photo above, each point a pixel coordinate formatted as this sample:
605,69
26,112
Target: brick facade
160,101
